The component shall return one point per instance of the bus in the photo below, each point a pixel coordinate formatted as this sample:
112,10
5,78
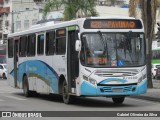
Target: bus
86,57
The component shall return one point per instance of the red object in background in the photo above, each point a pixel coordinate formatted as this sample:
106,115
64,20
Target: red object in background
1,2
5,10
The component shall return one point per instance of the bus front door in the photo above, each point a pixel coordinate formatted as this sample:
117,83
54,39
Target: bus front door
72,60
16,61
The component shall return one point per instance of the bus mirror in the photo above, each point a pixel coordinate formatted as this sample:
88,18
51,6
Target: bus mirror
78,45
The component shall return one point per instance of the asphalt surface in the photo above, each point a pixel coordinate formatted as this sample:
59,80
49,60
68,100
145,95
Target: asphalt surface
12,99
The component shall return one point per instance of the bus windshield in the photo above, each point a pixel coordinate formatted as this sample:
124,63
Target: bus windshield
113,49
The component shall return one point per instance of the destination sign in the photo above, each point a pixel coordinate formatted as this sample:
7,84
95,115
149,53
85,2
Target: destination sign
112,24
61,32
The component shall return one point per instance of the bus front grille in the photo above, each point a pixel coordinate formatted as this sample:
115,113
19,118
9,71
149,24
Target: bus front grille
118,89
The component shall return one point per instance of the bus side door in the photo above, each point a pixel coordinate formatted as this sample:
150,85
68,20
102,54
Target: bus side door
16,50
72,60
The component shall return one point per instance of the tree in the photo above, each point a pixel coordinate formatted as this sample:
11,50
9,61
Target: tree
132,8
52,4
148,13
72,8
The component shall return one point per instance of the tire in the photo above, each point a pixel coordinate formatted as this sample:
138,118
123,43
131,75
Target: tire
67,99
118,100
4,76
26,90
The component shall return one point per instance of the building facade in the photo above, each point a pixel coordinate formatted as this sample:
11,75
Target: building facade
17,15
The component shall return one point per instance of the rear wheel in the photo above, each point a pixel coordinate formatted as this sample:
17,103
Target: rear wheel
67,99
26,90
118,100
4,76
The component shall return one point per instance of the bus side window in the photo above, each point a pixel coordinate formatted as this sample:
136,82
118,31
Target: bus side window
61,42
31,45
23,46
50,42
10,48
40,44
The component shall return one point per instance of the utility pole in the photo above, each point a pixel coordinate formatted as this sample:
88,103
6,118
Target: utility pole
12,13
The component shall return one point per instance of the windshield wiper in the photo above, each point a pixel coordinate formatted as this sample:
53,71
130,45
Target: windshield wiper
128,46
103,42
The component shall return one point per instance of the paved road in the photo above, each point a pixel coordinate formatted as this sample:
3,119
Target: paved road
13,100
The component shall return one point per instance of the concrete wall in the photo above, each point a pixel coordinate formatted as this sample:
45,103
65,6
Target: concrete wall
115,11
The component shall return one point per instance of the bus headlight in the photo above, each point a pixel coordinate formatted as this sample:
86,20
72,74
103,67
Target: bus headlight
142,78
92,81
85,77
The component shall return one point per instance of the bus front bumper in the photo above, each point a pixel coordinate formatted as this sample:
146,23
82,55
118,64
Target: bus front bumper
127,90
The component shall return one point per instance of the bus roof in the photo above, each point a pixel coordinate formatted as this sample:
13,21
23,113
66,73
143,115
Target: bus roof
53,25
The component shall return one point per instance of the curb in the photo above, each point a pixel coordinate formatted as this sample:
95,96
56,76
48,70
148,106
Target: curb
146,98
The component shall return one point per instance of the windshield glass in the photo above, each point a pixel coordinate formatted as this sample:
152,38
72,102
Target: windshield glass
112,49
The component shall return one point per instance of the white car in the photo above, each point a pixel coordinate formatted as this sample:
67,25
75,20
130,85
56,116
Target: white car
3,71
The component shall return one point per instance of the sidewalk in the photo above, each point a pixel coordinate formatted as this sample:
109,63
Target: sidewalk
152,94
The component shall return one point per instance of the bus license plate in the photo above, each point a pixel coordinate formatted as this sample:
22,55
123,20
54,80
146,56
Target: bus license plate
117,90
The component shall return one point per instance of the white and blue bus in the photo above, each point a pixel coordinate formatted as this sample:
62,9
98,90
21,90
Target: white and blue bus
96,56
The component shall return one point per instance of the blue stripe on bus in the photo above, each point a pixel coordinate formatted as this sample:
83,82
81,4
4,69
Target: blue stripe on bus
90,90
38,69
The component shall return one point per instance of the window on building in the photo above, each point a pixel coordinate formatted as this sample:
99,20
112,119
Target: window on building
26,24
10,47
31,45
50,43
34,21
18,25
40,44
5,36
1,36
60,41
23,46
0,24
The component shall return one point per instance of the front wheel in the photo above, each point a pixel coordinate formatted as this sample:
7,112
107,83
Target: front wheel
118,100
67,99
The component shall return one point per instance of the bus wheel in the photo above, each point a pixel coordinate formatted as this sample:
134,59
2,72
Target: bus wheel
66,97
118,100
26,91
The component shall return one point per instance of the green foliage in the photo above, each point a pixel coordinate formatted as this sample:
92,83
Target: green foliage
52,4
72,8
